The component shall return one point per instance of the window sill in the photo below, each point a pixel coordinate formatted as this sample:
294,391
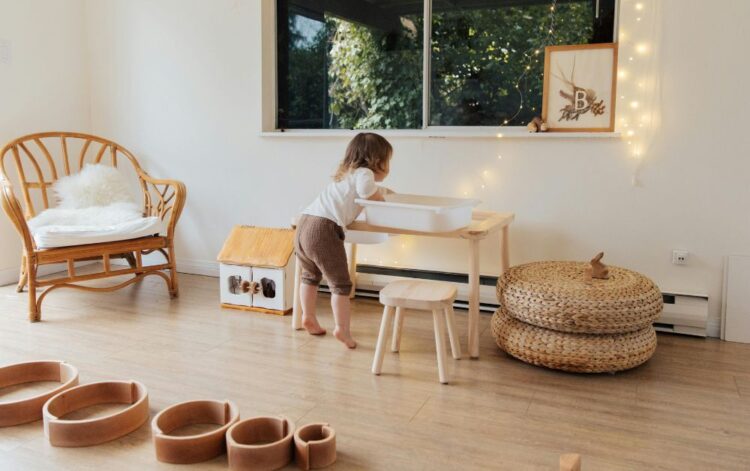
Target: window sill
445,133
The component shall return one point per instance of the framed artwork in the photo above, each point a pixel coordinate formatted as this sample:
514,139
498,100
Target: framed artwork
580,87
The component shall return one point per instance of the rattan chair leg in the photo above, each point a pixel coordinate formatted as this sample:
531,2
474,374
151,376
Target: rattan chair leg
34,312
130,258
174,290
22,276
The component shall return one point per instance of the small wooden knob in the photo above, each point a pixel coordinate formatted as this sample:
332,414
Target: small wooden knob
250,287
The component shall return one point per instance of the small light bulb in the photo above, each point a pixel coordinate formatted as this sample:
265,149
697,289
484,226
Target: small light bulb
485,173
631,133
638,19
639,6
634,104
641,48
499,135
499,157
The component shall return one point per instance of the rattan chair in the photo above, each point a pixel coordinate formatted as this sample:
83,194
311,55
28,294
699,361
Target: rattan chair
38,161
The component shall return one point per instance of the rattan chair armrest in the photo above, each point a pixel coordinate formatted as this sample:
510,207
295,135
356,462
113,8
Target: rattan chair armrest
12,208
163,198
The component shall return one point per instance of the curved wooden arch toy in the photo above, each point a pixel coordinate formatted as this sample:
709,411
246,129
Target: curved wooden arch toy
260,444
30,409
73,433
193,448
315,446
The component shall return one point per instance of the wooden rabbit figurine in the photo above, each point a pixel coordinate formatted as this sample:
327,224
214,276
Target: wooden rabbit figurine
598,269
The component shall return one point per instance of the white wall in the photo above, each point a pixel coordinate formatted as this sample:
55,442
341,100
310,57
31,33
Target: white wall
179,83
43,87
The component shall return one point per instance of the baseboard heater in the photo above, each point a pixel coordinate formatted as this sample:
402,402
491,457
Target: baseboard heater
685,314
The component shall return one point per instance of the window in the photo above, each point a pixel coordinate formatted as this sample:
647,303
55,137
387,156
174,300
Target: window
356,64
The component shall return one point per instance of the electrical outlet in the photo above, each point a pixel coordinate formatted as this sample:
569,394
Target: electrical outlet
680,257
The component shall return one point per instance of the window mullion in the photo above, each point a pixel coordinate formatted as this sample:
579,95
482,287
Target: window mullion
426,63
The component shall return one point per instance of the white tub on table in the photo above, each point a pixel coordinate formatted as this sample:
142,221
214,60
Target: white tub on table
419,213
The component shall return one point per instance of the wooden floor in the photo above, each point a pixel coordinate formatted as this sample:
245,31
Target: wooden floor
688,408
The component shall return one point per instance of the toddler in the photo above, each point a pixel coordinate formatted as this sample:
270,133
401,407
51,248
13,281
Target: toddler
319,241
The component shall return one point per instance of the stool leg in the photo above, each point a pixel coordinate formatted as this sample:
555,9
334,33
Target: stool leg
438,318
377,362
398,325
450,319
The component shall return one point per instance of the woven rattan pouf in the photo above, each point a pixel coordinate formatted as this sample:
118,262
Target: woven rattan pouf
578,353
553,315
557,295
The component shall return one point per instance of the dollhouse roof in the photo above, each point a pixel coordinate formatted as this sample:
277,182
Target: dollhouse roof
258,247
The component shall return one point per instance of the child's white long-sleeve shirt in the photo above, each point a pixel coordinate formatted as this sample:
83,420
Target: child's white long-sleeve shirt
336,201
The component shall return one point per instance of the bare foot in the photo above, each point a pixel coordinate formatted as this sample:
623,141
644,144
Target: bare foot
311,326
344,337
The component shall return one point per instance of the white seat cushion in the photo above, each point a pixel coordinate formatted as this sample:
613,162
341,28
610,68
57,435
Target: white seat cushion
47,237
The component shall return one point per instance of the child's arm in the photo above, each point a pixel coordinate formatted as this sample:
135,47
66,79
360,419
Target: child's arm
366,185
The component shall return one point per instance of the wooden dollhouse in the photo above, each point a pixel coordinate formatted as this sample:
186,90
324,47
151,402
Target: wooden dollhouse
256,270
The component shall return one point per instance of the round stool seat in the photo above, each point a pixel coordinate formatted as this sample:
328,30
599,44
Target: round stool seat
416,294
559,296
579,353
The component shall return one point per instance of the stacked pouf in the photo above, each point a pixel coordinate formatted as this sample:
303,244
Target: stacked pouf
552,314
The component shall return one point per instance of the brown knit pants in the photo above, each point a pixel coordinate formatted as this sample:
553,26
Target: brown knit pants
319,243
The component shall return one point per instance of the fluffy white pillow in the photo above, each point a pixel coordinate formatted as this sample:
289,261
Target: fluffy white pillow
94,185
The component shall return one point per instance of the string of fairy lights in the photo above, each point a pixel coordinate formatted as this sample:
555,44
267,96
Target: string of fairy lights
637,78
531,56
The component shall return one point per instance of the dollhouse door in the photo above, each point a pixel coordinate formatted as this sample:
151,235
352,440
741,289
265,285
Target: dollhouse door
271,288
231,278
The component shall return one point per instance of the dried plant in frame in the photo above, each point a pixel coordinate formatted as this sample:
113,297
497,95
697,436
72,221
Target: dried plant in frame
580,87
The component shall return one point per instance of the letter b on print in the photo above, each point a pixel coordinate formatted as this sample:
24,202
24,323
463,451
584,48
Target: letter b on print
580,100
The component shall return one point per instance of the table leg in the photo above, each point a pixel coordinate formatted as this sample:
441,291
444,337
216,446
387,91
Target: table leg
504,250
297,303
474,298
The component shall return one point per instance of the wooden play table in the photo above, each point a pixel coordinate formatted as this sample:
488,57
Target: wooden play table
483,224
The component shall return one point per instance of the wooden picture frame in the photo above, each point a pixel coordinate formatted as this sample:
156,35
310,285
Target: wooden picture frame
582,112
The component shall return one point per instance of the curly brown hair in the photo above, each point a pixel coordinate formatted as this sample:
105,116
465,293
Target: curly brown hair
368,150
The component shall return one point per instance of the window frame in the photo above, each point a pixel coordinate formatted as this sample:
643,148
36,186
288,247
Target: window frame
269,101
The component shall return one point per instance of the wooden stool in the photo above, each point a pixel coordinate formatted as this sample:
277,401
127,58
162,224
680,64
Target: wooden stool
422,295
